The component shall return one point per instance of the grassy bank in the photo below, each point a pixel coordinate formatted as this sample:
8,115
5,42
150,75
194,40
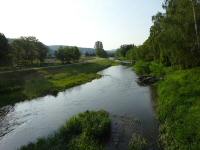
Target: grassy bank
86,131
19,86
178,105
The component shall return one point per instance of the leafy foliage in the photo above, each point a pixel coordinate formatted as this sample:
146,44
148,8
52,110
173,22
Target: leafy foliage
100,52
67,54
4,49
27,49
174,36
124,50
82,132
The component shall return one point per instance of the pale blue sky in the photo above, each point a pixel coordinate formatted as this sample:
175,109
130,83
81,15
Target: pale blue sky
79,22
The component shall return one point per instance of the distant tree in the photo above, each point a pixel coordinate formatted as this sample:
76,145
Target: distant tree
100,52
123,50
67,54
98,45
42,51
75,53
27,49
4,49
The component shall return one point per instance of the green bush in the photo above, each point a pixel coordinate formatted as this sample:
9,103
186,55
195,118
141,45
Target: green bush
157,69
85,131
150,68
142,68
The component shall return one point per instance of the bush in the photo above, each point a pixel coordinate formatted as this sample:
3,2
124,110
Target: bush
157,69
142,68
82,132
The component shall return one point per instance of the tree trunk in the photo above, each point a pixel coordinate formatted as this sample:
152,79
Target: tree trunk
195,24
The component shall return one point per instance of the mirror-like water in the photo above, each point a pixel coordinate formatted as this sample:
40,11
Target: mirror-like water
116,92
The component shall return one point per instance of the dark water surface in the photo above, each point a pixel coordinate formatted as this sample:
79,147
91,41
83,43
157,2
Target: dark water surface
116,92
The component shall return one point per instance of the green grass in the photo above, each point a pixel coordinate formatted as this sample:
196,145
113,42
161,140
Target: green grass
86,131
179,110
25,85
177,104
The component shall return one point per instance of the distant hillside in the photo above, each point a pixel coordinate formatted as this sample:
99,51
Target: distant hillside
83,50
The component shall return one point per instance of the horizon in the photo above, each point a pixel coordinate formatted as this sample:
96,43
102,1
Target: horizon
80,23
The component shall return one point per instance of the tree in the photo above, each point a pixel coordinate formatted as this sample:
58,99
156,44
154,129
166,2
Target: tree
75,53
4,49
123,50
67,54
174,36
27,49
100,52
42,51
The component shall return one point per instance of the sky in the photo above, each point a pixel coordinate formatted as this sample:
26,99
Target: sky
79,22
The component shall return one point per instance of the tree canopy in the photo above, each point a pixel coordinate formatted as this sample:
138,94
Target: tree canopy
100,52
67,54
174,36
27,49
4,49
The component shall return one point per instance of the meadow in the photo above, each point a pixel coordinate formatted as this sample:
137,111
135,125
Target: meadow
26,85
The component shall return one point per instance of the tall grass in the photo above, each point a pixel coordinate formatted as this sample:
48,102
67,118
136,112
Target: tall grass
85,131
179,110
178,105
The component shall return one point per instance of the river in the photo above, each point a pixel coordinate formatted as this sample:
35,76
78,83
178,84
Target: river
116,92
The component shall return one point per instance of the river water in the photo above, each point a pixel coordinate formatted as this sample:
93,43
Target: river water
116,92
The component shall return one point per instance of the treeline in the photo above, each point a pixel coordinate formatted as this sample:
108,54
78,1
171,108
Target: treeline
174,36
25,51
124,51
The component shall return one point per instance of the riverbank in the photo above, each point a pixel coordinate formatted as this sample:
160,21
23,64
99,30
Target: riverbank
177,104
23,85
85,131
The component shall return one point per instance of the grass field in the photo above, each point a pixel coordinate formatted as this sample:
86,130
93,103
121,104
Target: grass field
86,131
25,85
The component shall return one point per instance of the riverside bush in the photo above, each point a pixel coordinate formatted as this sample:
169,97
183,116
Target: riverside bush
85,131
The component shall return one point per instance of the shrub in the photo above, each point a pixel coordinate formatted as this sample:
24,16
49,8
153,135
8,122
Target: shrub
142,68
82,132
157,69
